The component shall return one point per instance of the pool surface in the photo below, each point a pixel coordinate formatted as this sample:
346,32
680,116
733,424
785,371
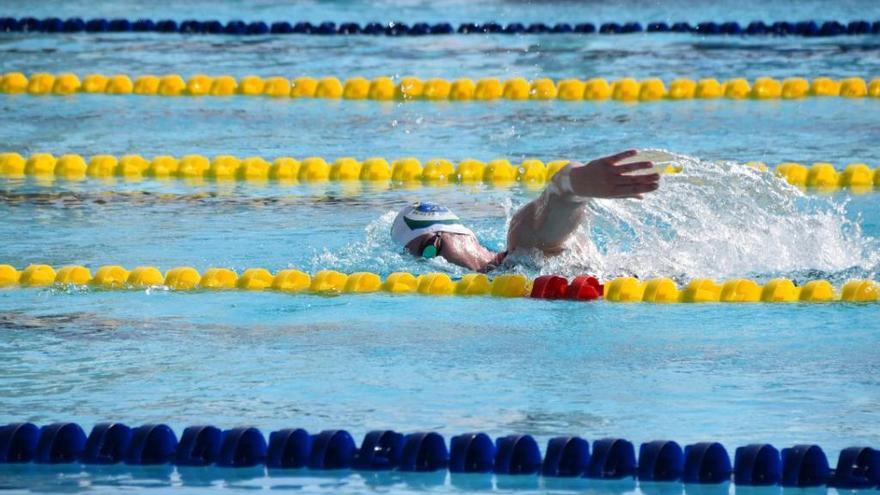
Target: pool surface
737,374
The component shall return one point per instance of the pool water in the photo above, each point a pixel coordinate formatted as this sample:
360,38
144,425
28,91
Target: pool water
737,374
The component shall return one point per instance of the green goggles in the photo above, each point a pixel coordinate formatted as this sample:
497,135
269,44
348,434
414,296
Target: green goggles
431,247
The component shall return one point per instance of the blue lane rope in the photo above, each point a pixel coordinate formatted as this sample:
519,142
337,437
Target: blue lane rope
609,458
237,27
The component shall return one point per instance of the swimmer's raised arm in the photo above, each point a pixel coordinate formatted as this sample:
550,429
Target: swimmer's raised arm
548,221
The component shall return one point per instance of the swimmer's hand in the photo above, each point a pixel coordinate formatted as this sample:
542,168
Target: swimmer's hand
547,222
606,178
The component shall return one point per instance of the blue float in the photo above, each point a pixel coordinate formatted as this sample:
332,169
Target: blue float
585,28
235,27
31,24
731,28
397,29
858,27
281,28
442,28
373,28
380,451
98,26
257,27
468,27
349,28
631,27
610,28
756,27
660,460
53,25
707,463
143,25
77,25
804,466
613,458
806,28
242,447
757,465
514,28
424,452
537,28
8,24
166,26
107,444
191,26
60,443
303,28
832,28
561,27
857,467
326,28
18,442
681,27
289,448
332,449
492,27
782,28
658,27
199,446
120,25
420,29
517,454
566,457
708,28
471,453
151,444
214,27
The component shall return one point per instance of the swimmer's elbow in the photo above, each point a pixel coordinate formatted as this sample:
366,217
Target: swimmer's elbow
526,240
533,228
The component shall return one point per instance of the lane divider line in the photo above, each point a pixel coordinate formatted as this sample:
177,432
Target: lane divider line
408,172
439,89
804,465
809,28
582,287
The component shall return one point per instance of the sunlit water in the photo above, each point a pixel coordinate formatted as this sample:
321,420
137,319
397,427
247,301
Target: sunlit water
738,374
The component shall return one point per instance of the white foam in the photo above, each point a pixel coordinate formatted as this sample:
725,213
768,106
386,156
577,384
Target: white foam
720,220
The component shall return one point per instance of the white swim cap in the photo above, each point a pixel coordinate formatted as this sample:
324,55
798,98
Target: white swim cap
422,218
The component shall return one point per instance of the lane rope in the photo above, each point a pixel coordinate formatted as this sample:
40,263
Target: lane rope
439,89
803,465
809,28
407,172
582,287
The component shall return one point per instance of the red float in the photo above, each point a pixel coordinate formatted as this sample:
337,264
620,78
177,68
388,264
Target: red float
585,288
550,287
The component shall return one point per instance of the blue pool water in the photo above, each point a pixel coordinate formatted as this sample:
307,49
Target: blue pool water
782,374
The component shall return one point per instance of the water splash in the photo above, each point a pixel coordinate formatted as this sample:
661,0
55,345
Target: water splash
721,220
714,219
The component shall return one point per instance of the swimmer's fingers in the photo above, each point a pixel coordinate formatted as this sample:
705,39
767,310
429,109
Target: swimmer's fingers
630,190
612,159
622,180
632,167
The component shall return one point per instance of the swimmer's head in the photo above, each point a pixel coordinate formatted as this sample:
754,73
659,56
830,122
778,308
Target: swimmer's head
427,230
420,220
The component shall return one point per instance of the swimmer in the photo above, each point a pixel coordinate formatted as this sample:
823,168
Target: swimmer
427,230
